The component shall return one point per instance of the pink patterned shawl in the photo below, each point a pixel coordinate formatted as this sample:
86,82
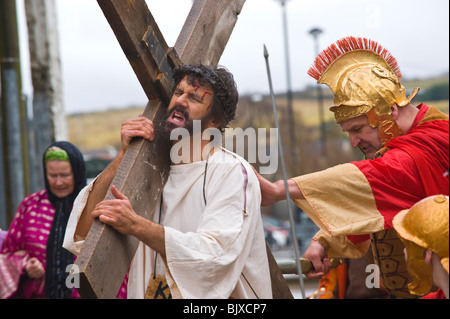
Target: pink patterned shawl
26,238
36,231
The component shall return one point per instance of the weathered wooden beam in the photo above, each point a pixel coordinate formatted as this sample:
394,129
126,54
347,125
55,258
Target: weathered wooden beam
204,29
280,288
130,21
143,172
106,255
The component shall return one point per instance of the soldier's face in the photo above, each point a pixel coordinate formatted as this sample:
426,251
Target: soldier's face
362,135
189,102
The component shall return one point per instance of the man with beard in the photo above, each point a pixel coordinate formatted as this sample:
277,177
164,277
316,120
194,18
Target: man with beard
206,239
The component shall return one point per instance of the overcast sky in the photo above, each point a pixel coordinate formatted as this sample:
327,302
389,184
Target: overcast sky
97,75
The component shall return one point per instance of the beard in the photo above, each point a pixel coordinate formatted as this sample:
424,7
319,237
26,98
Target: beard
187,123
170,126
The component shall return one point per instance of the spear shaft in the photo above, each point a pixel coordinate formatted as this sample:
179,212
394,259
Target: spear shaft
288,197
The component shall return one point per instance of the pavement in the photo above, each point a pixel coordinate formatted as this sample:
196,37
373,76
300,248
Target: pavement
311,285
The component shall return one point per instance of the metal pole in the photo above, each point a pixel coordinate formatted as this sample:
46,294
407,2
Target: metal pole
3,206
315,34
289,94
13,114
13,136
288,197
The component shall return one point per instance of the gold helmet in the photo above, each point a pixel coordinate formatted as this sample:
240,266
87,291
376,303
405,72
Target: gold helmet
364,78
424,226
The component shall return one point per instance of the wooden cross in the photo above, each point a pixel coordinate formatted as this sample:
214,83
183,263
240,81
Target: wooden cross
106,255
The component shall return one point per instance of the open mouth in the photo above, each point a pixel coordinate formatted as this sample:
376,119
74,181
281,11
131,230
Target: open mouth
177,117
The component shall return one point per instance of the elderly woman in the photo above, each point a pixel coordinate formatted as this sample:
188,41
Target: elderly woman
33,263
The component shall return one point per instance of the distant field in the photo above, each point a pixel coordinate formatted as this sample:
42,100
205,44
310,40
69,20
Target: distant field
310,114
98,130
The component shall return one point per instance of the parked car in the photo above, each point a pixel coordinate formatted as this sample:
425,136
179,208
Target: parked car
276,235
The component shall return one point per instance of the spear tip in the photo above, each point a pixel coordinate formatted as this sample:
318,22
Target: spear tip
266,53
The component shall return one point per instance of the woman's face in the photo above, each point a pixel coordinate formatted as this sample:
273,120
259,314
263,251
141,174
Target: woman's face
60,178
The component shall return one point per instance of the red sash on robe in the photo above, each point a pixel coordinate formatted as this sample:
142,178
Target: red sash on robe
427,151
427,143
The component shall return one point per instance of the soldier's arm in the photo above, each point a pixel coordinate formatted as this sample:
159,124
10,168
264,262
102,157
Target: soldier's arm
272,192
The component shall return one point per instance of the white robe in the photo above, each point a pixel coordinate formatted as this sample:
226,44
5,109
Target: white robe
212,251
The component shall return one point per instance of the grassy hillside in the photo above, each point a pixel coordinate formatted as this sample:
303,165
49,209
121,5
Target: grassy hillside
98,130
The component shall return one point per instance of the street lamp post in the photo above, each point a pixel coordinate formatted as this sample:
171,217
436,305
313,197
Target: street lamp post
289,95
315,32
